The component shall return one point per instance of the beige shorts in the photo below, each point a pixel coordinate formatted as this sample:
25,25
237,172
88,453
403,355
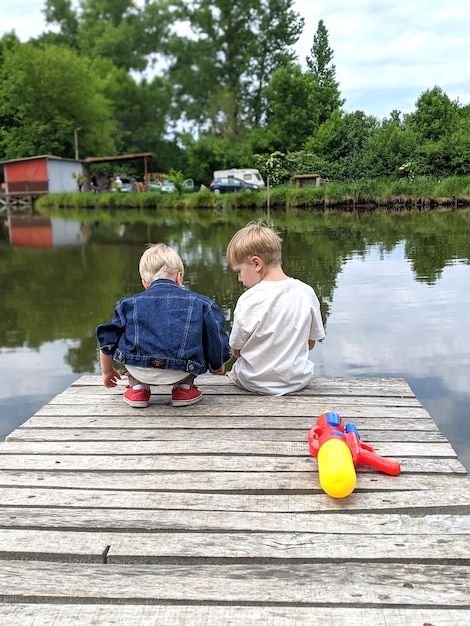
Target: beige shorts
152,376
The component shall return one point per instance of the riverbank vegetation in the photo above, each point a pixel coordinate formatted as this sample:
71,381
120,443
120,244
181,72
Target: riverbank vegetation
229,91
422,193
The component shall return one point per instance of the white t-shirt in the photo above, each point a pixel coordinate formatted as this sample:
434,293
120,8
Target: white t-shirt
273,321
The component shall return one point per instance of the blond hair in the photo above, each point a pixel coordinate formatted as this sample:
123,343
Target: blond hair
255,240
159,261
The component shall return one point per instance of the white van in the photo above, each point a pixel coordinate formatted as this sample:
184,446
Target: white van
249,174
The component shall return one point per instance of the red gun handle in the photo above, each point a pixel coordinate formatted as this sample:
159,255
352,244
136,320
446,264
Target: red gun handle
379,462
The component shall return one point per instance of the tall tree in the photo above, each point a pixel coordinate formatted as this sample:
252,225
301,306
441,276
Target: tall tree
222,65
436,116
279,29
326,90
435,122
62,14
340,141
120,30
46,93
389,148
291,118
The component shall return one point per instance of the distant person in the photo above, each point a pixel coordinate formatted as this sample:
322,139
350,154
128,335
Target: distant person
80,180
276,322
94,184
118,182
165,335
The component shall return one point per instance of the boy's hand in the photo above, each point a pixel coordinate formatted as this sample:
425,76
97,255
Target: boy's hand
110,378
221,370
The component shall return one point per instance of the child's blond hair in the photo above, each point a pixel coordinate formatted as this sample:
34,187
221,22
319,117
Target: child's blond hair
255,240
159,261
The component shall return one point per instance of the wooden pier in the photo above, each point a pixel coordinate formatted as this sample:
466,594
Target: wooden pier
213,514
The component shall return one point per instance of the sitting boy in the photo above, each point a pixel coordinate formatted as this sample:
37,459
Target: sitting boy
165,335
276,321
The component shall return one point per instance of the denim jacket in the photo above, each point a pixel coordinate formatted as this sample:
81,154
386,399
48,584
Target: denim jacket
166,327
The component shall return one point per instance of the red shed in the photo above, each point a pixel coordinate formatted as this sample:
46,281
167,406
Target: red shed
41,174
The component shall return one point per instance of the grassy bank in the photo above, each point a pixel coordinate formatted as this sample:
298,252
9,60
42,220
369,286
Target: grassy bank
420,193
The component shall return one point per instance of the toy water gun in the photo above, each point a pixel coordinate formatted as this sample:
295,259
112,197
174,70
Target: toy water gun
339,449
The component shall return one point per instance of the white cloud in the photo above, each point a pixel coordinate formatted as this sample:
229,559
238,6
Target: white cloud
386,54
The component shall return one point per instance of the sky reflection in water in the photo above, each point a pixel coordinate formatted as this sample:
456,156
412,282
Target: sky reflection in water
384,323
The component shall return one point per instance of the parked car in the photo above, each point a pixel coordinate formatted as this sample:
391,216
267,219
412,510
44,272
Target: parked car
248,174
154,185
188,185
230,184
168,187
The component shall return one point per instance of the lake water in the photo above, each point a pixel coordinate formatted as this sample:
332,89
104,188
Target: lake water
394,289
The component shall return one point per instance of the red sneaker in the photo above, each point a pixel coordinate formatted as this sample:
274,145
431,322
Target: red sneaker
185,397
138,398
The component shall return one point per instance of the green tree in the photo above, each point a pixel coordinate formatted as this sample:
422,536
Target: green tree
436,116
61,14
141,108
340,142
291,116
389,149
120,30
45,94
460,142
278,30
435,120
326,88
220,68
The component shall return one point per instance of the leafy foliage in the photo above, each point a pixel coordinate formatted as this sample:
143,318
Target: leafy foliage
46,93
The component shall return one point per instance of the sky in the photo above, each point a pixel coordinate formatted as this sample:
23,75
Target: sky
386,53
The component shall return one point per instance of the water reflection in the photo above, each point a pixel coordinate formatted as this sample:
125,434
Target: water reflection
36,231
394,291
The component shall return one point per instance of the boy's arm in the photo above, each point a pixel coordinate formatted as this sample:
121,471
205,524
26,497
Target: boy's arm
235,352
110,375
311,344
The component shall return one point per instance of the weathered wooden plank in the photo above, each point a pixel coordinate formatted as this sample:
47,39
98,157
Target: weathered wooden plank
256,405
98,394
170,614
210,452
313,547
326,385
408,419
26,436
442,493
226,481
384,585
242,546
70,547
348,520
186,463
